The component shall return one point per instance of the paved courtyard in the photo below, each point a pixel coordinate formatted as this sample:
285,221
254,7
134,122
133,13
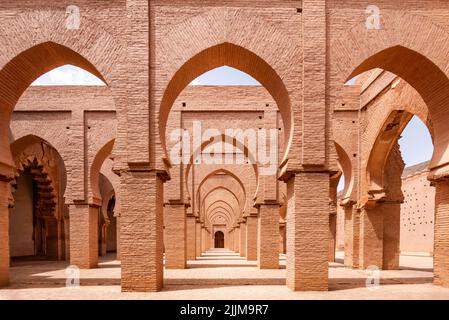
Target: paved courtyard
221,274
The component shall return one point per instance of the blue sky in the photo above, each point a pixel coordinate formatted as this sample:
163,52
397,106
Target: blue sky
416,144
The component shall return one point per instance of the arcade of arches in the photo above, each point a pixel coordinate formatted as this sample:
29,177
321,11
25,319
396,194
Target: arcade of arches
90,171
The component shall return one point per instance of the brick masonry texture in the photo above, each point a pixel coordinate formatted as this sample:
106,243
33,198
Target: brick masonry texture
88,148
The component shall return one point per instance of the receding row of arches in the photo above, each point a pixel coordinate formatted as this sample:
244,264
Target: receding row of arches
365,188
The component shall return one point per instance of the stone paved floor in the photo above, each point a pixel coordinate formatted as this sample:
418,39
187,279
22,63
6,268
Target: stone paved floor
221,274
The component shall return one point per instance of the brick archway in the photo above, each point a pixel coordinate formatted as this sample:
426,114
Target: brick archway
47,170
34,151
241,147
346,169
94,172
14,80
220,213
242,200
219,203
224,189
239,58
410,56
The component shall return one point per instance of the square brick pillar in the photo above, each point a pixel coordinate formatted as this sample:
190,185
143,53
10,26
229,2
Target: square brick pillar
231,240
175,236
207,242
67,234
211,243
141,226
352,233
243,239
53,243
191,237
371,237
4,234
441,242
226,240
308,231
102,231
332,236
391,235
118,237
237,239
282,230
198,239
268,236
203,239
251,237
84,235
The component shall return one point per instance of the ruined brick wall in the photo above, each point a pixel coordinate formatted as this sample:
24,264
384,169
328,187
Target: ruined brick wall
417,213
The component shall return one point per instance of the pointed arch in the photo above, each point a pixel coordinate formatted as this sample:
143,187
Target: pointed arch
224,139
235,56
398,49
94,172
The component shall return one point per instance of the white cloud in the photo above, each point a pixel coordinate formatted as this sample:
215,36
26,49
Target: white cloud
195,82
225,76
68,75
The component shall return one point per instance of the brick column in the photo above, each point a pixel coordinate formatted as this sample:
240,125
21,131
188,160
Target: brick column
53,244
198,239
441,244
175,236
332,236
141,226
243,239
371,237
268,236
84,235
102,240
211,240
207,239
308,231
231,240
4,233
237,239
390,209
67,234
226,240
391,235
191,240
282,237
333,203
118,237
251,237
352,233
203,239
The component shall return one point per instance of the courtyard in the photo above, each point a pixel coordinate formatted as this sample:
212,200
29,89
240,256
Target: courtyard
223,275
